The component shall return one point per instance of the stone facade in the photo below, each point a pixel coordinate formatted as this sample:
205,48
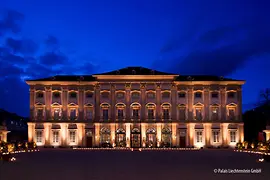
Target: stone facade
135,107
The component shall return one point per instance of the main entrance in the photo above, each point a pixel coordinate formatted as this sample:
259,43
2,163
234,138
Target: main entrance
135,138
89,139
182,139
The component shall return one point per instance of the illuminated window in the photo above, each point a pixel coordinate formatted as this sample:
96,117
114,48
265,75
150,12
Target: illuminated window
233,136
199,136
39,136
150,113
56,113
214,115
72,136
55,136
181,94
56,94
216,136
214,94
231,94
198,94
73,95
105,114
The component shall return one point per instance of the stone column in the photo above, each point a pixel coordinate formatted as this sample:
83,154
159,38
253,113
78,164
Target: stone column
112,125
206,103
158,134
143,133
239,101
191,133
81,104
174,104
32,103
158,102
47,133
190,103
97,103
223,103
225,133
48,102
31,131
63,134
113,102
208,134
128,134
143,94
64,103
128,86
97,136
174,134
241,132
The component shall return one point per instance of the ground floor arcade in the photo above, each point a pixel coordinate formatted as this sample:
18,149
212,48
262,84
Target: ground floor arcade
136,134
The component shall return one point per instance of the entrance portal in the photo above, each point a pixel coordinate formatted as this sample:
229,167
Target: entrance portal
135,138
182,139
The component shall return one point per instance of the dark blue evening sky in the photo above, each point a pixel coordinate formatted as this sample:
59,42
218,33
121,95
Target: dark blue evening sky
41,38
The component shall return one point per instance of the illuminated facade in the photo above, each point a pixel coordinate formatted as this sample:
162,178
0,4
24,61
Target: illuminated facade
135,107
3,133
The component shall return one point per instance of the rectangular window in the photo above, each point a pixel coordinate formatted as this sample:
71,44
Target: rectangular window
214,114
73,95
39,113
72,136
72,114
150,113
198,114
136,95
198,94
89,95
105,114
233,136
182,114
105,95
55,136
120,95
56,114
199,136
182,95
231,114
39,136
151,95
231,94
89,114
120,113
214,94
216,136
166,95
56,95
166,114
135,113
39,95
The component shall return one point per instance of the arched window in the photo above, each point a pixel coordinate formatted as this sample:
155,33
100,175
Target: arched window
182,112
150,110
198,111
166,110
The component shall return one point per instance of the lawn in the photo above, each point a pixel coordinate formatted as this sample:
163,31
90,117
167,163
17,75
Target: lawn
70,164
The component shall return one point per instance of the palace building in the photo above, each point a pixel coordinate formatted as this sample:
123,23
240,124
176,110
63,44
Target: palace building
135,107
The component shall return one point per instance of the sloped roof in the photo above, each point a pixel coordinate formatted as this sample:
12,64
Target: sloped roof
203,78
137,70
67,78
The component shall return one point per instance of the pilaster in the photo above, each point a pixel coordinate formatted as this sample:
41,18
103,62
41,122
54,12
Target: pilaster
64,102
48,102
190,103
173,100
113,102
81,103
239,101
158,101
143,94
223,103
32,103
127,86
206,103
128,134
97,102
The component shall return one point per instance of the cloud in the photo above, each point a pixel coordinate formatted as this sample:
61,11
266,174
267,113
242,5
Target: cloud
53,58
51,40
11,22
25,46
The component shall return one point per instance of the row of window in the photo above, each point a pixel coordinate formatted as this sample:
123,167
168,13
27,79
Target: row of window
120,113
135,95
216,136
